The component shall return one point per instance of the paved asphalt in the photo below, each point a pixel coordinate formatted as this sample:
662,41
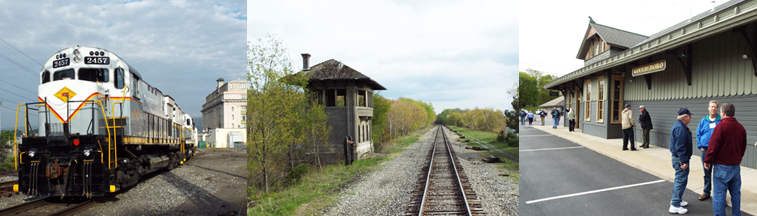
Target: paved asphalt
558,172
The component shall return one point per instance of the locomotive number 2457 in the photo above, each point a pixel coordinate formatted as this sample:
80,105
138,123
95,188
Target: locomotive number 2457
97,60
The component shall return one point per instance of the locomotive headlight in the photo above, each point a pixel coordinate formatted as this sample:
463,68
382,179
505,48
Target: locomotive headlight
87,151
77,58
32,153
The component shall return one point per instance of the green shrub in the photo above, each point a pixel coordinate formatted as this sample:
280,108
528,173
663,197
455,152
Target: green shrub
512,140
501,136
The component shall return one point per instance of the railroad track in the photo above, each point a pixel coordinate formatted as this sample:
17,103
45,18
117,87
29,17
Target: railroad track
444,189
47,206
6,188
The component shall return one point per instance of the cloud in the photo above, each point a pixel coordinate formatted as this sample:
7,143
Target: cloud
425,50
180,47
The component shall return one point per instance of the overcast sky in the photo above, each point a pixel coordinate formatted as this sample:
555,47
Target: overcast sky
454,54
180,47
551,36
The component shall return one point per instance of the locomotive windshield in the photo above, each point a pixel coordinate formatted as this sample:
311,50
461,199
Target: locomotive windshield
45,77
59,75
93,74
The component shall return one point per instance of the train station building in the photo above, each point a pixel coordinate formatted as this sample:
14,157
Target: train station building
224,115
348,98
708,57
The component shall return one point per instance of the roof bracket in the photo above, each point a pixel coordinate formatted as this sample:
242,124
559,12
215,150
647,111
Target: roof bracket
741,30
684,61
648,78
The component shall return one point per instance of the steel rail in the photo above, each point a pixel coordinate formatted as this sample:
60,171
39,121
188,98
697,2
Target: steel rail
428,175
457,176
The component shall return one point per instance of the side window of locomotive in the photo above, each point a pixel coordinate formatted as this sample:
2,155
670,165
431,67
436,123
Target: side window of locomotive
67,73
45,77
93,74
119,78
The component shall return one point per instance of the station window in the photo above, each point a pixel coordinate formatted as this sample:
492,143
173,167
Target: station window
341,97
45,77
118,75
587,100
330,97
361,98
600,99
67,73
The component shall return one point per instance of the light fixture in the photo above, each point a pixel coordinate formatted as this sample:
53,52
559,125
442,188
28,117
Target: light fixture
744,56
682,55
631,80
32,153
86,152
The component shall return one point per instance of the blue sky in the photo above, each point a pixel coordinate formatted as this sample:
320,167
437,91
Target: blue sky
180,47
454,54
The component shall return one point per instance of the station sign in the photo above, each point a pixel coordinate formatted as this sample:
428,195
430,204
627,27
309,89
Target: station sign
653,67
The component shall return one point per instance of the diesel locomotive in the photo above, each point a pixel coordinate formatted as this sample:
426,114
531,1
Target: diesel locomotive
101,128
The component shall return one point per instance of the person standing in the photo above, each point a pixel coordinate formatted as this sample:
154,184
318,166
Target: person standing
555,117
704,132
680,148
571,120
523,116
724,154
628,126
530,117
646,125
542,114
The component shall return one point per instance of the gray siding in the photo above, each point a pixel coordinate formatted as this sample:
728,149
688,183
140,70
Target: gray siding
718,70
663,113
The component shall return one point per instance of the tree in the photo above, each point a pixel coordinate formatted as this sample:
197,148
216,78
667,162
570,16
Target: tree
316,131
6,139
271,107
381,107
532,83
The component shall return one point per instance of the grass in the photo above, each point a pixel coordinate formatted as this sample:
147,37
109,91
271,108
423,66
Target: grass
319,189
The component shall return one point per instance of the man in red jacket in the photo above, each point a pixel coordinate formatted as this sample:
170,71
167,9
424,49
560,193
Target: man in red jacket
726,148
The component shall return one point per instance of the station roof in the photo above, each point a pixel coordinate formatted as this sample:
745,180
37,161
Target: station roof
722,18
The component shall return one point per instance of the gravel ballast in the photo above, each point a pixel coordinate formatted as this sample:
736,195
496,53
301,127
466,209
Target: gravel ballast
388,190
211,183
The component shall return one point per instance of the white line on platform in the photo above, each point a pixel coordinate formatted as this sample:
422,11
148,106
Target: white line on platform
545,149
594,191
536,135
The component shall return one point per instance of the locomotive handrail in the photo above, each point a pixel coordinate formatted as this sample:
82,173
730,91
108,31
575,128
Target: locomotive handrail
15,142
105,119
15,133
123,96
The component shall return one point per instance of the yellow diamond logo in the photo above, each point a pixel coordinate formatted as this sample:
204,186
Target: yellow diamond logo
64,94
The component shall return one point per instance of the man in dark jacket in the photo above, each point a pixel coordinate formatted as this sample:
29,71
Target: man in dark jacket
646,125
726,148
523,114
681,148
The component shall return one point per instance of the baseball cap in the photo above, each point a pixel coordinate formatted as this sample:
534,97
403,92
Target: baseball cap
628,105
684,110
641,106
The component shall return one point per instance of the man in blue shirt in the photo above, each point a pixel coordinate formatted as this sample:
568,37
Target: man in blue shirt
704,131
680,147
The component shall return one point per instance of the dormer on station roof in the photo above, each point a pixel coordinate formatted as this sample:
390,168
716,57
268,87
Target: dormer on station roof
610,38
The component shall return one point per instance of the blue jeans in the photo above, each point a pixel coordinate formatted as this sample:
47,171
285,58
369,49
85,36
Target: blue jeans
555,122
707,175
726,177
523,120
679,184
